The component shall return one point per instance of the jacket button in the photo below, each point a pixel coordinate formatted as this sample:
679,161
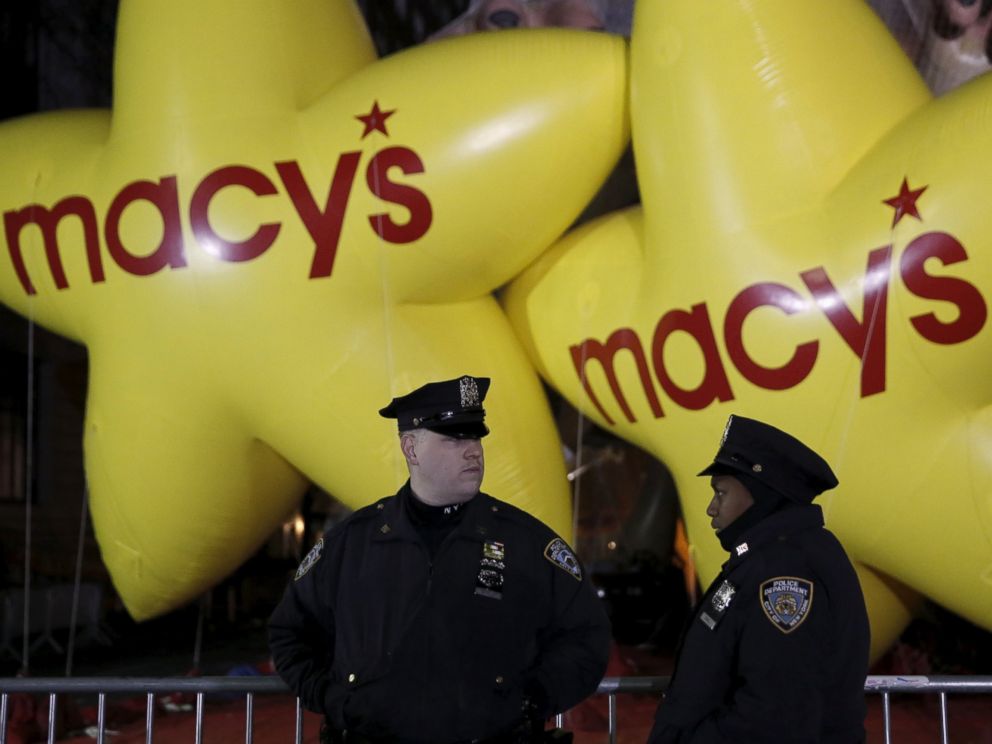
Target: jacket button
495,508
499,679
352,678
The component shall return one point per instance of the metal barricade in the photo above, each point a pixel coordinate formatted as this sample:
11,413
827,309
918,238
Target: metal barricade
934,684
103,686
251,686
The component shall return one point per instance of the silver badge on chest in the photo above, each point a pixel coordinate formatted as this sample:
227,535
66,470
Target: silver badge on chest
723,596
717,604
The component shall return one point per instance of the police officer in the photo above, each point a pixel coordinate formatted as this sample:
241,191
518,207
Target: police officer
440,614
778,648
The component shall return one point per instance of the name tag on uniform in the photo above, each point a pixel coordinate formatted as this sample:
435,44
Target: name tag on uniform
717,604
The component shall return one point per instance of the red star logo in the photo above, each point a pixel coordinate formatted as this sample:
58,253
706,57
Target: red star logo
905,202
375,120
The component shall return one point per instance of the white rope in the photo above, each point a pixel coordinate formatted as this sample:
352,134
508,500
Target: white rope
71,647
28,482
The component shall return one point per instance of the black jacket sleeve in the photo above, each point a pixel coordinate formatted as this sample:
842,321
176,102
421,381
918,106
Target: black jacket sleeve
575,647
301,639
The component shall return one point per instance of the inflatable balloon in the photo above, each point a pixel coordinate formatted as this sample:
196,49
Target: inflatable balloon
813,250
272,234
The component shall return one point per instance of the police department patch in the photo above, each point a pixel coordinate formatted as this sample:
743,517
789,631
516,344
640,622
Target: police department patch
562,556
309,559
786,601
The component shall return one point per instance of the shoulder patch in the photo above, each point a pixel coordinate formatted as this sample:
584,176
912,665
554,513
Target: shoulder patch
310,559
786,601
558,552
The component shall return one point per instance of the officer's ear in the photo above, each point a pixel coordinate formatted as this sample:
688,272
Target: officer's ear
408,446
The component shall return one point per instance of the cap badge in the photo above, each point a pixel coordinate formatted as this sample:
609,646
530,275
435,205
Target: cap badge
469,391
757,467
726,430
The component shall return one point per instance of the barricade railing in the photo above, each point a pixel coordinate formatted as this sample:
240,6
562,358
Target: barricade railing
269,685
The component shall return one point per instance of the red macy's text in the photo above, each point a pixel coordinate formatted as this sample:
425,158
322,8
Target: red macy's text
323,224
865,338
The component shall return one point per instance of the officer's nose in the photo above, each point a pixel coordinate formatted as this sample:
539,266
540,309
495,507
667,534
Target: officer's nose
473,449
713,508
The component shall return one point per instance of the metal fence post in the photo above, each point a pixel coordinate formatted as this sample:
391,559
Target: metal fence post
299,722
249,711
101,718
943,718
612,713
149,717
885,715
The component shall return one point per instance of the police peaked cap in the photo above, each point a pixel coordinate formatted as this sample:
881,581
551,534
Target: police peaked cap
453,408
772,457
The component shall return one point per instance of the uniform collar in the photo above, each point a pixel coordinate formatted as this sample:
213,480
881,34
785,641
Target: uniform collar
394,522
789,521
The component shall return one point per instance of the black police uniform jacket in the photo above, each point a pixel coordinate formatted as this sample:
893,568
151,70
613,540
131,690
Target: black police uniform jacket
387,642
778,649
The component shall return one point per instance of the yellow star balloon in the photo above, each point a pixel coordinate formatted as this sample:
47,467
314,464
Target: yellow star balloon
269,236
812,250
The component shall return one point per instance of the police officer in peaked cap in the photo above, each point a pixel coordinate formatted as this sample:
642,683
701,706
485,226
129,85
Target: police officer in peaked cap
777,650
440,614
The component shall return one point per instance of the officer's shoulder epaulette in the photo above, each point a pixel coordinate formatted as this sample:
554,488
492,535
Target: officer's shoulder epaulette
776,558
359,516
370,511
505,510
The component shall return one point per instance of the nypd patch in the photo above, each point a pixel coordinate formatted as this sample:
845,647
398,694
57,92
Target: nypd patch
310,559
786,601
562,556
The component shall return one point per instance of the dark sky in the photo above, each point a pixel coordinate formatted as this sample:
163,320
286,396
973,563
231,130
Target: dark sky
57,54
